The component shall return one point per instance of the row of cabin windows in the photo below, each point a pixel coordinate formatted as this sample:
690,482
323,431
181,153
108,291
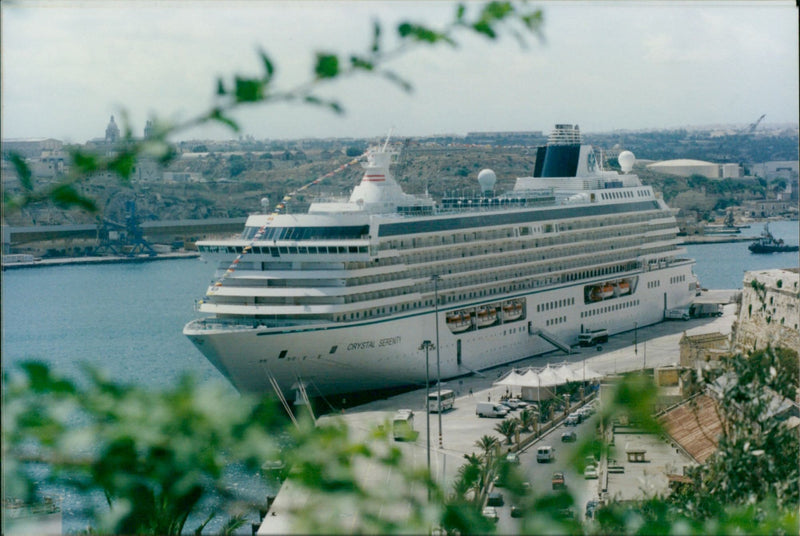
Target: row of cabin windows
610,308
654,284
556,321
617,195
677,279
566,302
276,251
512,232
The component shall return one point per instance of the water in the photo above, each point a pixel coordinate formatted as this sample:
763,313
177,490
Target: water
722,266
124,318
128,318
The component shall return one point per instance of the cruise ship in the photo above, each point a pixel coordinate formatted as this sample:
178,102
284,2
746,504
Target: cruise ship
360,293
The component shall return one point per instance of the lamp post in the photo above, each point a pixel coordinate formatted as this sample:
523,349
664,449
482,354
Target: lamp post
427,345
435,279
635,339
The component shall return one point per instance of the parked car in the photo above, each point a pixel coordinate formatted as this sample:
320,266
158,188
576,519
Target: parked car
573,419
558,481
512,458
495,499
590,472
511,404
516,511
591,508
490,513
569,437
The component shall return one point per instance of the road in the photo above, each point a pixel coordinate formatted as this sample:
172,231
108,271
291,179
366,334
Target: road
540,474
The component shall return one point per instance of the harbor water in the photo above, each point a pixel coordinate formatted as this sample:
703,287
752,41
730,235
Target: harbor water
128,318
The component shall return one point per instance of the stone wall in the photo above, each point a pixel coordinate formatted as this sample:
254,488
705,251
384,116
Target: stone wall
770,310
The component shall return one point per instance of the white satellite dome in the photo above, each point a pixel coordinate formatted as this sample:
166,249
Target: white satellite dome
487,180
265,204
626,160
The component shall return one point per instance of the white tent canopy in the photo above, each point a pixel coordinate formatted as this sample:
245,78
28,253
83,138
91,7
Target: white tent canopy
549,376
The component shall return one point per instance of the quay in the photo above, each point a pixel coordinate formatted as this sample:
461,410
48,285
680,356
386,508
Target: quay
109,259
649,347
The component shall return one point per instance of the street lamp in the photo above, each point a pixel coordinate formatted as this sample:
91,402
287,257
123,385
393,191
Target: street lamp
427,345
435,279
635,339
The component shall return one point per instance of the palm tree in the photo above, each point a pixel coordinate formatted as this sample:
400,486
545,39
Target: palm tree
507,428
487,444
527,419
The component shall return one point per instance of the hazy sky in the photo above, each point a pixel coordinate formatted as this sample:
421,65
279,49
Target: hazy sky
67,66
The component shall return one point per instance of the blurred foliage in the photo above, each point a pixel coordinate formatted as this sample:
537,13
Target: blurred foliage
157,457
161,458
490,20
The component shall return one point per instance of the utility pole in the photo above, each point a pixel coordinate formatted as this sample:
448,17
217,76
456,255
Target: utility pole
427,345
435,278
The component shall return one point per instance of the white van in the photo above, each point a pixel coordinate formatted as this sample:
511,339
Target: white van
403,425
545,454
490,409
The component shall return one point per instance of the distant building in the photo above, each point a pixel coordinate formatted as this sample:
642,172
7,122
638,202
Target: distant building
112,131
785,169
687,168
703,350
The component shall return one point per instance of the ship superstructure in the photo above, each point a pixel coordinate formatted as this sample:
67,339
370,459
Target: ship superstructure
341,298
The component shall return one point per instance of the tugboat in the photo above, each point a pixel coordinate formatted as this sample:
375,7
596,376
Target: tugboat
769,244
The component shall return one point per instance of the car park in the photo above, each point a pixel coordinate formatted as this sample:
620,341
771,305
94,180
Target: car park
495,499
569,437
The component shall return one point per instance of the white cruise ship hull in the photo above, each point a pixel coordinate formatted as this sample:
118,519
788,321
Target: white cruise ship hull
386,353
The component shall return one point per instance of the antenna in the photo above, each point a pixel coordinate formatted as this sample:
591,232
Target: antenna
387,139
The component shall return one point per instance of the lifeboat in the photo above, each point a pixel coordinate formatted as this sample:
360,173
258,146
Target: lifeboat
622,288
512,310
486,316
458,322
601,292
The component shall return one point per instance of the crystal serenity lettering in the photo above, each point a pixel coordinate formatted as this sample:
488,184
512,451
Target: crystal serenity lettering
388,341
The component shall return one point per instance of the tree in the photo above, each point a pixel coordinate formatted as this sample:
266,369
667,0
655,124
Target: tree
507,427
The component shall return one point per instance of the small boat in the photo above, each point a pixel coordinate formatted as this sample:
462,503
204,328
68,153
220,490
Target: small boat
769,244
621,288
458,322
601,292
486,316
512,310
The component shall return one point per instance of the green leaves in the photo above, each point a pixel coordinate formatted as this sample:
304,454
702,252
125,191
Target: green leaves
327,66
155,455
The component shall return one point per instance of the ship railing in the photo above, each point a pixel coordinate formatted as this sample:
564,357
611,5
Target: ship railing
245,323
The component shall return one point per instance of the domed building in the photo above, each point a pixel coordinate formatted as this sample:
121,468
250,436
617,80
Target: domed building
687,168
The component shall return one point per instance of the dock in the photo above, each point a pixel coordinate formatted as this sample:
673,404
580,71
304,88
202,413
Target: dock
106,259
649,347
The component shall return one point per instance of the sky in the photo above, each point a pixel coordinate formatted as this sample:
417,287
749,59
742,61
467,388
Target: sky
67,66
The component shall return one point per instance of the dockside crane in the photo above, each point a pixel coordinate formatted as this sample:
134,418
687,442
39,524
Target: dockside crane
752,127
123,239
